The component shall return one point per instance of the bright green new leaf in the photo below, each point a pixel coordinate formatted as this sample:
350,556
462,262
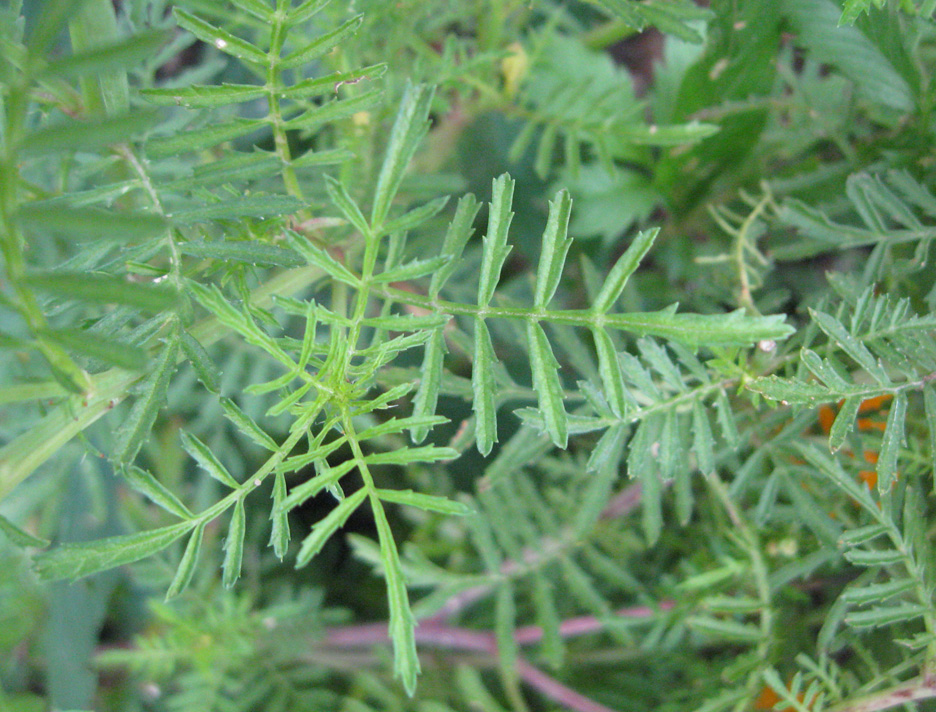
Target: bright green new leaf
245,424
408,455
547,384
323,529
186,569
71,561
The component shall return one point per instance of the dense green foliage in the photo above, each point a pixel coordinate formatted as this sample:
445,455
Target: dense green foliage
291,420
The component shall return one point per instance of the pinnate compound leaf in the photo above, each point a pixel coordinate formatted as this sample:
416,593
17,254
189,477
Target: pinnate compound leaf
183,574
234,545
622,270
332,522
151,395
71,561
147,485
495,241
207,460
409,127
483,388
547,385
428,502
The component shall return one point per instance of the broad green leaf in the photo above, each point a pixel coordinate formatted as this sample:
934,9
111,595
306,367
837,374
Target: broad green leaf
90,223
456,237
94,345
254,206
315,86
609,368
411,270
203,96
220,39
338,194
208,461
103,289
891,443
183,574
322,44
547,384
409,127
816,23
151,395
197,139
204,366
625,266
416,216
279,534
320,258
484,388
116,55
20,537
332,522
428,502
147,485
495,241
555,247
66,136
234,545
430,382
844,422
255,253
71,561
402,624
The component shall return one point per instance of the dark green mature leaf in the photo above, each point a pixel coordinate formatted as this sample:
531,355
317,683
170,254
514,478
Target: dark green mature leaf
90,223
205,368
323,530
147,485
208,461
483,388
220,39
234,545
556,245
203,96
254,206
71,561
245,424
198,139
254,253
321,44
188,563
93,345
428,502
456,237
547,385
430,382
622,270
495,241
116,55
66,136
